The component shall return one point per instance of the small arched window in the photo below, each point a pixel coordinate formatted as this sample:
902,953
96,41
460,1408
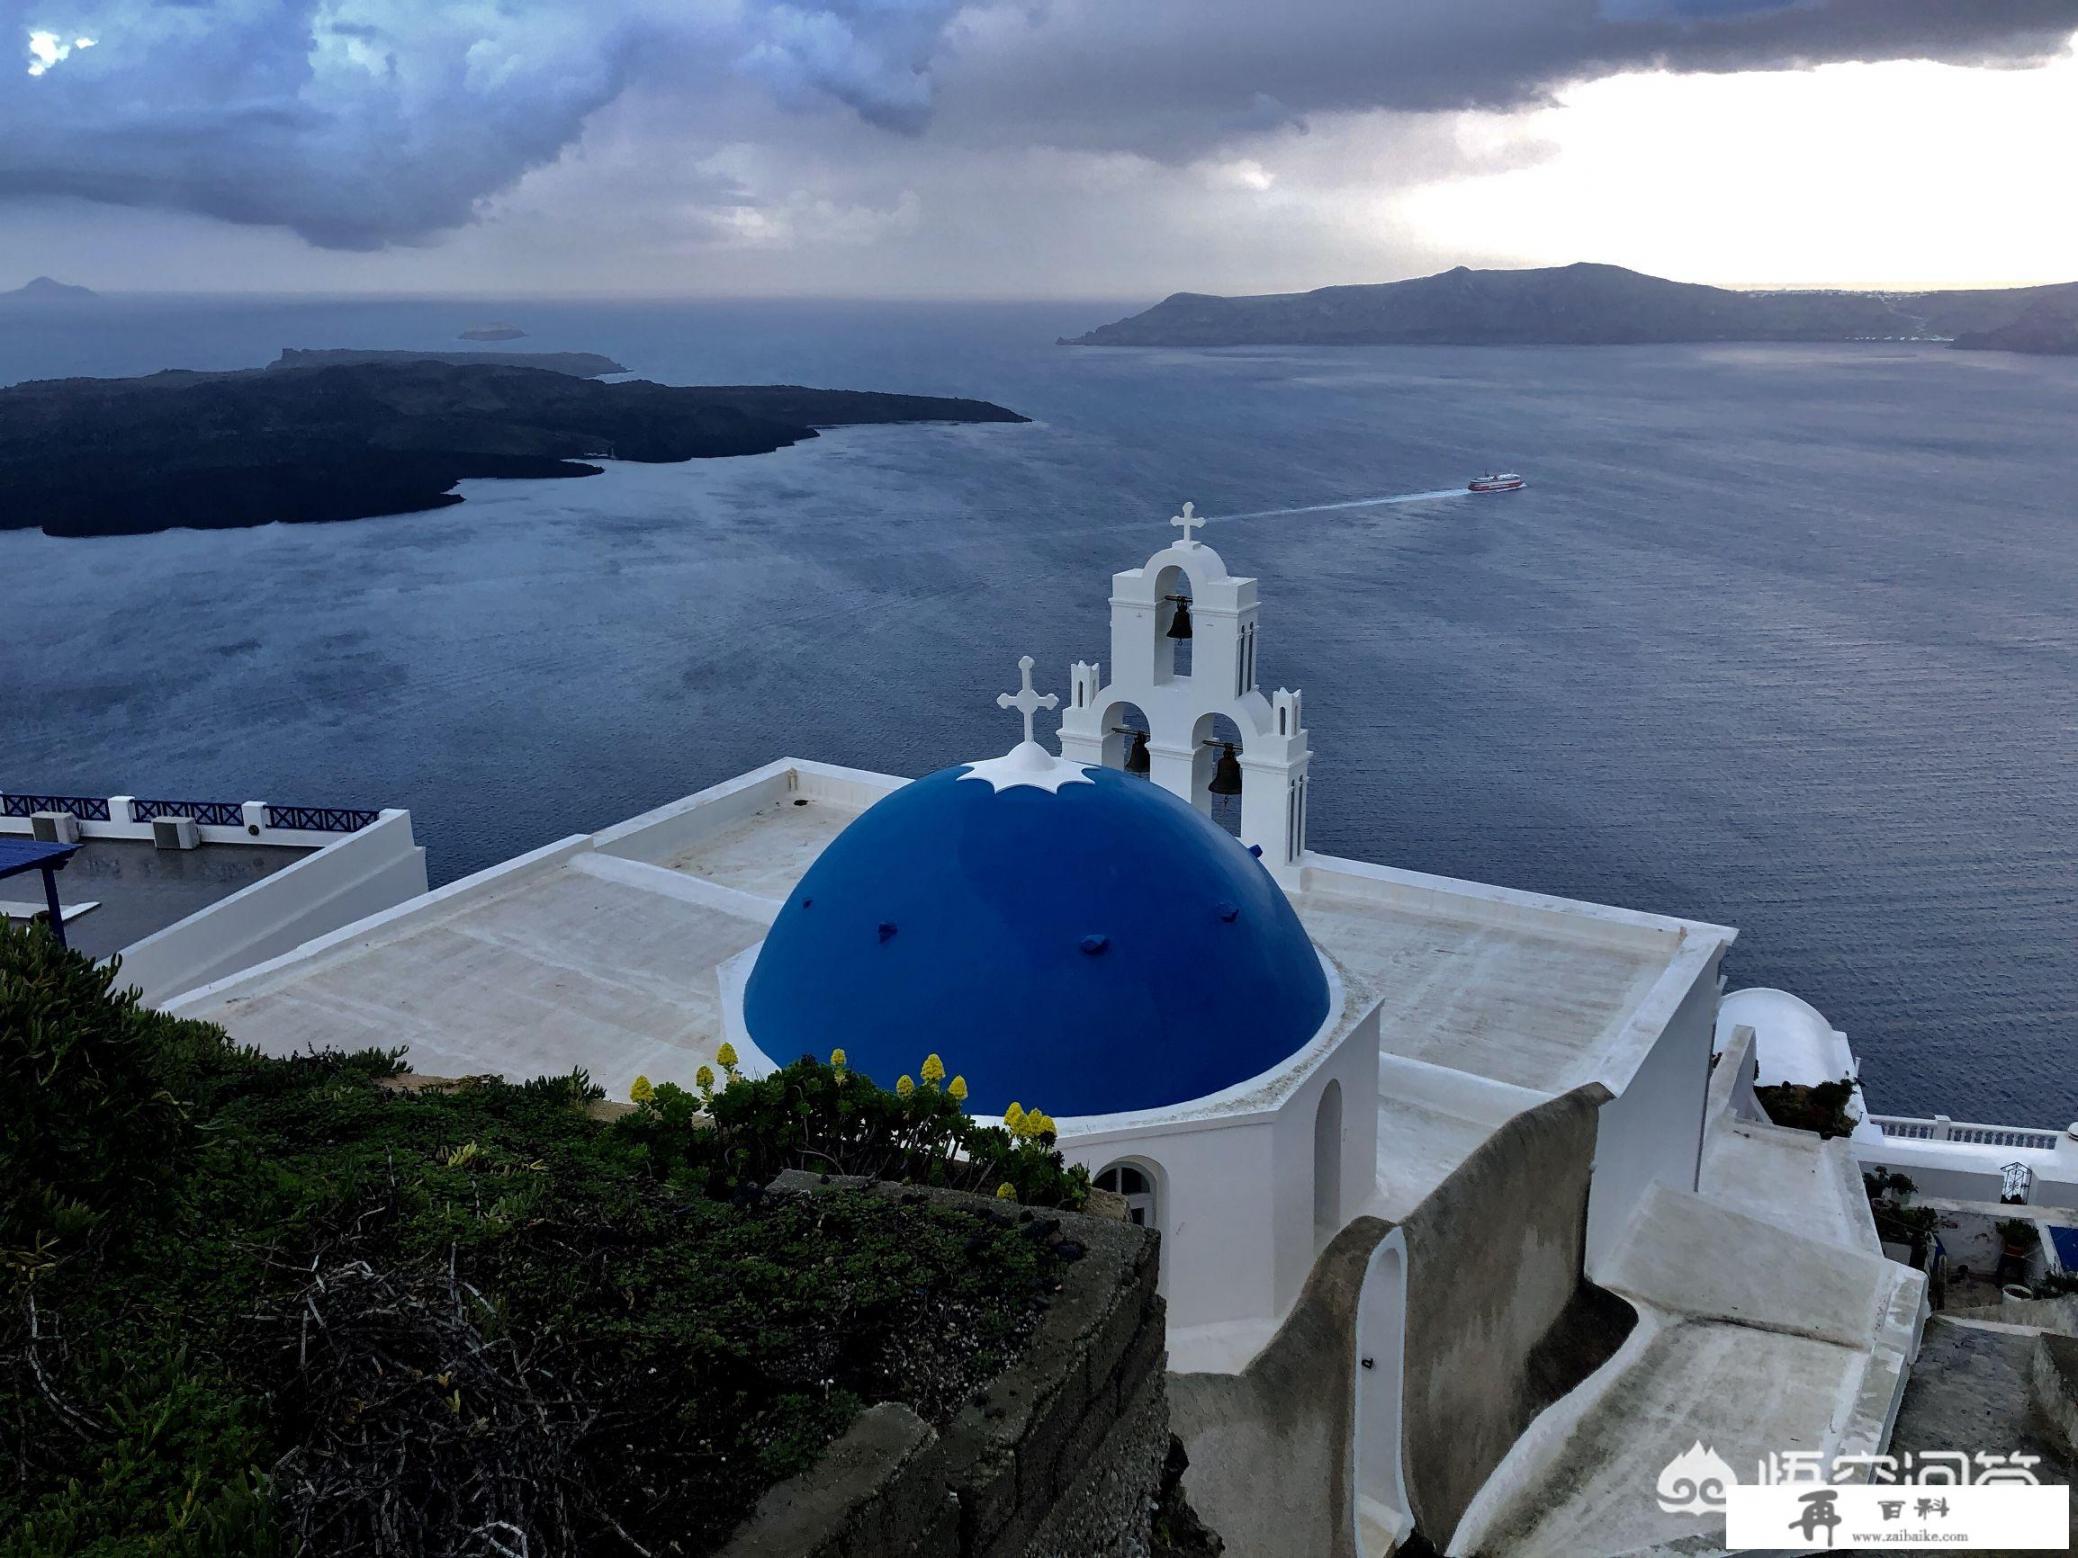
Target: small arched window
1137,1186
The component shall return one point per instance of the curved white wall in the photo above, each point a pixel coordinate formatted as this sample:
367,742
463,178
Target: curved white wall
1381,1515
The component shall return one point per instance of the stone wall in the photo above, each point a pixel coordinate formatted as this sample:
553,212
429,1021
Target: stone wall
1494,1260
1271,1449
2053,1387
1059,1457
1499,1324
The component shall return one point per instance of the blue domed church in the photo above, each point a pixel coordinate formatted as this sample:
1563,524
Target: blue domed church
1079,933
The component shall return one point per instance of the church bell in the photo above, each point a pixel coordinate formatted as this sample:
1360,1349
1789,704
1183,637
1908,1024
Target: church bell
1226,773
1180,624
1137,760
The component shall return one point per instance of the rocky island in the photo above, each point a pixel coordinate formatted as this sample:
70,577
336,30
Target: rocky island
1567,305
42,289
345,440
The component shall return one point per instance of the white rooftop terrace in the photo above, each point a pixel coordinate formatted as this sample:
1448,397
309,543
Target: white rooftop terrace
621,952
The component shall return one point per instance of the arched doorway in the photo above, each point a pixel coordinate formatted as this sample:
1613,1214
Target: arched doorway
1327,1165
1382,1515
1134,1181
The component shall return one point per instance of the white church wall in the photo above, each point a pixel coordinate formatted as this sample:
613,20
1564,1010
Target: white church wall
1216,1203
1235,1193
1297,1237
1651,1132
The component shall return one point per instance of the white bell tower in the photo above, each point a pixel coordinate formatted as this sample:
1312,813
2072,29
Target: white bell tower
1180,706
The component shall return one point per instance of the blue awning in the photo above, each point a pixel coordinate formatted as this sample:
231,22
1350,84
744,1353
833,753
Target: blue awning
18,855
2066,1242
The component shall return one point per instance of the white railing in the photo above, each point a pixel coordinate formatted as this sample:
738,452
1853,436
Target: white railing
1941,1128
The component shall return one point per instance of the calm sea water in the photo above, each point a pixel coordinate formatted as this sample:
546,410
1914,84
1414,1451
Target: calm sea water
1779,636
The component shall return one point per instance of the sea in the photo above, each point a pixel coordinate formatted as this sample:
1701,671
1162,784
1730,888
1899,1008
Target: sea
1777,636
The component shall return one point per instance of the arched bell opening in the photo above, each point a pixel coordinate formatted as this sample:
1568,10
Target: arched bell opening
1216,776
1125,739
1173,629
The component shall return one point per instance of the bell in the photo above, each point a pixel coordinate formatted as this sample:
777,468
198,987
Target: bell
1137,760
1226,773
1180,624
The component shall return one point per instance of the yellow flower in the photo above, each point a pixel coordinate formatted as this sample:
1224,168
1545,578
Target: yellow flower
726,1055
958,1089
904,1086
705,1077
1013,1114
1006,1191
934,1069
837,1060
641,1092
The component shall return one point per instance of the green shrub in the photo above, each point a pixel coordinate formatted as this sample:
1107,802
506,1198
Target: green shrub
92,1118
830,1120
269,1305
1820,1107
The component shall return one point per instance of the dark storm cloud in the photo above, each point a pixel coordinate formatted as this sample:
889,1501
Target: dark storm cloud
1167,77
363,123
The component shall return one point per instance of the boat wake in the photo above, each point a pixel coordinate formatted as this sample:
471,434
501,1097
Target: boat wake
1354,503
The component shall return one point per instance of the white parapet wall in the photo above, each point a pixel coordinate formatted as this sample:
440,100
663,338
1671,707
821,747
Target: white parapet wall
352,876
1967,1162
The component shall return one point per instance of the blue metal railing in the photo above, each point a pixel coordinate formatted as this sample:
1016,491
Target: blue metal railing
84,807
321,819
214,814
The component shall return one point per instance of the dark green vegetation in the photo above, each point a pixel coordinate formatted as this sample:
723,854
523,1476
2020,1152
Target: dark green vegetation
259,1306
84,457
1898,1221
1821,1107
1568,305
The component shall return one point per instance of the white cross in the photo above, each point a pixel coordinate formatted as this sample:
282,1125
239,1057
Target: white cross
1025,700
1187,521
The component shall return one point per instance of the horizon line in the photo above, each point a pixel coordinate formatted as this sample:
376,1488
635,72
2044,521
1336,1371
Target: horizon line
564,295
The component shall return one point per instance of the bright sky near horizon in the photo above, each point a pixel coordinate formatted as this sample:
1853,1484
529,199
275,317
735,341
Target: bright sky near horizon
1029,148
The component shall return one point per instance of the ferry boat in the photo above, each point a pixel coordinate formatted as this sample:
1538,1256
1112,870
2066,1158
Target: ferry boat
1503,481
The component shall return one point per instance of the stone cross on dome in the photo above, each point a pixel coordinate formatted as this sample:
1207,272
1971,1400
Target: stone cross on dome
1025,700
1028,763
1188,521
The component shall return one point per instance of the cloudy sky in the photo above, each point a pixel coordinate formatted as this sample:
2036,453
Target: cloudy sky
1023,148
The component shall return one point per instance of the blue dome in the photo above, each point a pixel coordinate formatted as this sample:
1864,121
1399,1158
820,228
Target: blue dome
1096,948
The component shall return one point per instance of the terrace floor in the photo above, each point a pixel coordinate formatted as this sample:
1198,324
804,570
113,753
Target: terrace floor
139,889
1515,1005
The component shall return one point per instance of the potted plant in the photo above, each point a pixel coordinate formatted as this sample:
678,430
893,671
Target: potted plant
2017,1237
